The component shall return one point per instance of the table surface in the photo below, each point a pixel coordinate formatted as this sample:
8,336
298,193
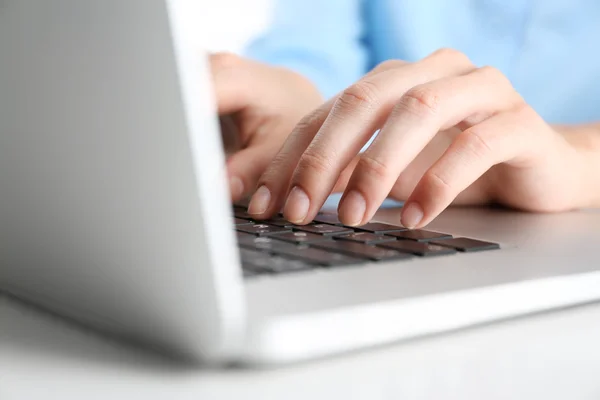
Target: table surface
551,356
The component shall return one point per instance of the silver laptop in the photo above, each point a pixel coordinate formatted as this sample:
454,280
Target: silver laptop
114,212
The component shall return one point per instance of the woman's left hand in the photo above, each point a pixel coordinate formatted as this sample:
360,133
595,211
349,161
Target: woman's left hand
449,132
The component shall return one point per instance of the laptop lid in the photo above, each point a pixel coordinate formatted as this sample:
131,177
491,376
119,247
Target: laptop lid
114,205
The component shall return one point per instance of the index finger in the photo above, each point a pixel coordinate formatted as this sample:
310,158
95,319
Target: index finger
418,117
354,118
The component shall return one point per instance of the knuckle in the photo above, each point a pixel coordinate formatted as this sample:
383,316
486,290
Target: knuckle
448,53
420,100
314,163
437,183
310,121
372,166
476,142
494,74
362,94
272,173
524,112
224,60
389,64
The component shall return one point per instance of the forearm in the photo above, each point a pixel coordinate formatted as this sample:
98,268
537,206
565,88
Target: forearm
586,140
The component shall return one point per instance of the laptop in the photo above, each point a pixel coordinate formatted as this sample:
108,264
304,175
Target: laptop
115,212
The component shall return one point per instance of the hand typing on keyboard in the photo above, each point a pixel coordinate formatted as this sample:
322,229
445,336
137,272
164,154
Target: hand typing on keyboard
263,104
450,133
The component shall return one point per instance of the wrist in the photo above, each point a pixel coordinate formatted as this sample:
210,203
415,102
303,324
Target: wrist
591,173
585,140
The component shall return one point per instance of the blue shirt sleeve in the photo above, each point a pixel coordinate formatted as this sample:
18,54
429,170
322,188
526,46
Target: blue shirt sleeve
320,39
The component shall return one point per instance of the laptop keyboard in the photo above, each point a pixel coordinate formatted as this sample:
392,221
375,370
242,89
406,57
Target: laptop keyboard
277,246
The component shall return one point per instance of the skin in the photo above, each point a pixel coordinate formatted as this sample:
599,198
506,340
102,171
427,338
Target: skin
265,104
443,140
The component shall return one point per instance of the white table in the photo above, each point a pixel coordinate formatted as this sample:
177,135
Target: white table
547,356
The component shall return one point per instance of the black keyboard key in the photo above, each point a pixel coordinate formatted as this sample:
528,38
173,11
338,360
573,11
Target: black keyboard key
420,235
313,255
417,248
249,272
257,263
380,227
264,244
239,221
250,256
245,238
280,265
277,221
364,237
262,229
301,237
323,229
361,250
466,244
251,262
331,219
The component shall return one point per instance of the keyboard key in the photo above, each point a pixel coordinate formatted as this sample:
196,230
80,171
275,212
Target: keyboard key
251,256
245,238
277,221
316,256
417,248
249,272
323,229
420,235
262,229
331,219
257,263
364,237
279,265
262,243
361,250
466,244
379,228
239,221
301,237
251,261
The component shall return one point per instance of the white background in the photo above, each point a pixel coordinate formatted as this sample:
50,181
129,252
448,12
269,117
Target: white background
227,25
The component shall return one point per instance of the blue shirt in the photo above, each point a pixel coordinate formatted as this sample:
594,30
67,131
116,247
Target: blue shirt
549,49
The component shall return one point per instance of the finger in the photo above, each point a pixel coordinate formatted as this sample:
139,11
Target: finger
501,138
274,182
274,185
420,114
344,177
355,116
245,167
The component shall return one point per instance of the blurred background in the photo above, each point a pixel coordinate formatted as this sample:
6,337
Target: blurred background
232,23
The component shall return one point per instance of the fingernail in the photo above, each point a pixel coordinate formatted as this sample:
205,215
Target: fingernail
296,206
352,210
412,214
260,201
236,187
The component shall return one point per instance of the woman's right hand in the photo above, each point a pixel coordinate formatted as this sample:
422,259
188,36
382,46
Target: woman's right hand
265,103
